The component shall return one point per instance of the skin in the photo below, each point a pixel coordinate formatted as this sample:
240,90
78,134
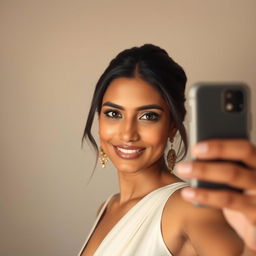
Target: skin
133,128
123,122
239,209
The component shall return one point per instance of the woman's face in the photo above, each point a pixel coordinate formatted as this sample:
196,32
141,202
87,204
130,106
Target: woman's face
134,125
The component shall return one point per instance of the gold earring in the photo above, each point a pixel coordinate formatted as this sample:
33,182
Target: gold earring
171,157
103,158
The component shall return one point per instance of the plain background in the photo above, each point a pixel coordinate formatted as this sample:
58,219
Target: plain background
52,53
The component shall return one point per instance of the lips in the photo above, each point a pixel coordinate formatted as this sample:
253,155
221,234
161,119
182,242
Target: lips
128,152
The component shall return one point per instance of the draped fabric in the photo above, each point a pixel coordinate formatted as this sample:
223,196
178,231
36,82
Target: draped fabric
138,232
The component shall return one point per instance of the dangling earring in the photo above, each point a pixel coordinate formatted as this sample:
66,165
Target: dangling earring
171,157
103,158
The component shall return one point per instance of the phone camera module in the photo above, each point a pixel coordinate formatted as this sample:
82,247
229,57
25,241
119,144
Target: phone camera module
233,101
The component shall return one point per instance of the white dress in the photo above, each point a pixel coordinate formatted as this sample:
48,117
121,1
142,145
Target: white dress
138,232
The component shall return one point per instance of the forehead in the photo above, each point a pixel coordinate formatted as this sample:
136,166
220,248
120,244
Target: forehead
132,92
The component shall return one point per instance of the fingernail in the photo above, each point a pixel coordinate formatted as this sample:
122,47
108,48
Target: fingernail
201,148
184,168
188,193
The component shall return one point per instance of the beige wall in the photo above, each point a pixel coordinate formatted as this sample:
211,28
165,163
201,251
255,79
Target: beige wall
52,53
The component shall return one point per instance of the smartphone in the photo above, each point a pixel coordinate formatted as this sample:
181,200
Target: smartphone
218,111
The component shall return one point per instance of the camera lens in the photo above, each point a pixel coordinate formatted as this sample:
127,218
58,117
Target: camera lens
228,95
233,100
229,107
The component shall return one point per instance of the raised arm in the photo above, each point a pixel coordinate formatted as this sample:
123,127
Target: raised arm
239,208
210,234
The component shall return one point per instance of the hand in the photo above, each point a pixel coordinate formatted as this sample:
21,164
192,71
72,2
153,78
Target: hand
239,208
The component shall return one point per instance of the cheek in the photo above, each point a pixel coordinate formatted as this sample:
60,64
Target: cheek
156,136
106,131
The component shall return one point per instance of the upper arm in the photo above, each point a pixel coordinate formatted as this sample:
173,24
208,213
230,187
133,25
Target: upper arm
248,252
210,234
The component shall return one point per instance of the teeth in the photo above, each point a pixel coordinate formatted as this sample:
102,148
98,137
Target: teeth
128,151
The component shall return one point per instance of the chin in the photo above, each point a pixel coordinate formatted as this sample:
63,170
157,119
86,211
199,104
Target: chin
128,168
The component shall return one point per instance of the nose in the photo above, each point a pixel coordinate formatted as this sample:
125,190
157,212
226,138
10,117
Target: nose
129,131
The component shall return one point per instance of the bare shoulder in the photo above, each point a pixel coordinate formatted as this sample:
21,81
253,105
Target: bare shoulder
205,227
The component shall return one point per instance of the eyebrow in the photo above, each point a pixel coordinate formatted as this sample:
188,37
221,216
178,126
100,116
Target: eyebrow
145,107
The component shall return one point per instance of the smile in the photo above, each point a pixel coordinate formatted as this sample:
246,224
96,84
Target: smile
128,152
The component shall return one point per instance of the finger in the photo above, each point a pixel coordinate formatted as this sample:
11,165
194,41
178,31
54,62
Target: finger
222,199
227,173
232,149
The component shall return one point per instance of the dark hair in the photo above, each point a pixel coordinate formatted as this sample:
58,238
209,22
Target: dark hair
153,65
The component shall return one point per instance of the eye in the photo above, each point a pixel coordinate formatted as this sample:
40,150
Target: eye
112,114
150,116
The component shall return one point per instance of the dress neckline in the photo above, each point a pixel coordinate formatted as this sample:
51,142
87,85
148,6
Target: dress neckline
126,215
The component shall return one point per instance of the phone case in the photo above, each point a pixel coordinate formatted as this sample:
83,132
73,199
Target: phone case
213,116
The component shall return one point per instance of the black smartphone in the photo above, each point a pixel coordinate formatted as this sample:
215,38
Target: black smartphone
218,111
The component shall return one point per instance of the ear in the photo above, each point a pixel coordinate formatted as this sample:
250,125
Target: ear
172,132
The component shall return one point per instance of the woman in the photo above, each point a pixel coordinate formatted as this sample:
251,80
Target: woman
140,103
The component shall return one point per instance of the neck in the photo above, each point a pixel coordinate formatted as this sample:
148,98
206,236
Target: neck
138,184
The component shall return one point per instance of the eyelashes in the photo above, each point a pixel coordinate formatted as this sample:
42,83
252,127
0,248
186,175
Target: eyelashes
147,116
113,114
150,116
